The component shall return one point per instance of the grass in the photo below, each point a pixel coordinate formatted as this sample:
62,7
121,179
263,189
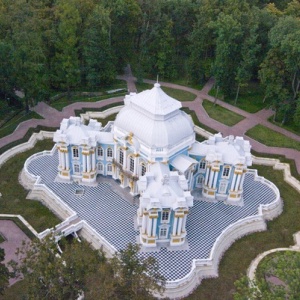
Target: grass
272,138
179,95
14,122
196,120
103,108
25,138
13,200
250,98
282,159
60,103
2,239
222,114
239,256
63,102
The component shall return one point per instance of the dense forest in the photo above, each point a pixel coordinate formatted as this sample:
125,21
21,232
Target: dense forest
56,45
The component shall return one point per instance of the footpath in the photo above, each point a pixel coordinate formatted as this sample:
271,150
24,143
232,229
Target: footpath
53,117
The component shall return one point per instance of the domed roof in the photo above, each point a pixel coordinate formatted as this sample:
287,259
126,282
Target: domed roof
155,118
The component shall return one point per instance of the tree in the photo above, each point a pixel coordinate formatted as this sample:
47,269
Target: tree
285,266
4,273
99,61
136,277
54,275
285,49
66,59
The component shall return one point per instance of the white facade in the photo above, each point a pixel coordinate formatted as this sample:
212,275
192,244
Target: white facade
151,149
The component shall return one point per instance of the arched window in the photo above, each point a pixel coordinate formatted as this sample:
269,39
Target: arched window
131,164
143,169
109,168
109,152
100,167
100,151
121,156
199,180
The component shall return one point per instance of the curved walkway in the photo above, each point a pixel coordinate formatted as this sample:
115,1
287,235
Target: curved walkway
53,117
254,264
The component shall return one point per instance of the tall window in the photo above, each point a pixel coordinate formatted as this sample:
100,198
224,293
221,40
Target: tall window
143,169
121,156
202,165
109,152
131,164
100,167
165,216
75,153
76,168
109,168
100,151
200,180
222,187
226,172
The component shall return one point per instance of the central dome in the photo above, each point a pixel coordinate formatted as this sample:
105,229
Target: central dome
155,118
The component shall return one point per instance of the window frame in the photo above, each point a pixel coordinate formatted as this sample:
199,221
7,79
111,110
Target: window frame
165,213
76,166
226,172
101,151
75,150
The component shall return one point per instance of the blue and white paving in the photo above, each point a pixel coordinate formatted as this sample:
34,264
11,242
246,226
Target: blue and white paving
113,217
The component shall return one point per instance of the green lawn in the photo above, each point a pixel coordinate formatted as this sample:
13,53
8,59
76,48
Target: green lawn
222,114
13,123
250,98
179,94
13,200
272,138
60,103
196,120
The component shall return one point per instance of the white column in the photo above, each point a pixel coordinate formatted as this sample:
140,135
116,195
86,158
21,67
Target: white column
154,226
242,182
207,176
179,229
215,179
84,163
135,165
233,182
149,226
124,159
60,157
93,160
144,224
63,163
67,160
175,226
184,222
89,162
211,176
237,183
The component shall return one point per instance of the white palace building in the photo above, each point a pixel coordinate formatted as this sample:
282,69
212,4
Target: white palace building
151,150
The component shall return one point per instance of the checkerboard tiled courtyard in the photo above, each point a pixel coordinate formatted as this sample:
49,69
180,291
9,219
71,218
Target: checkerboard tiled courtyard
106,210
